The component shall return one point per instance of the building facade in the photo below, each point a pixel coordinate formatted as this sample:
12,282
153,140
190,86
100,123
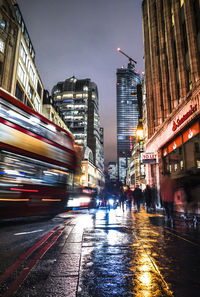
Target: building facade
8,42
128,93
172,70
78,103
112,171
26,82
50,111
18,72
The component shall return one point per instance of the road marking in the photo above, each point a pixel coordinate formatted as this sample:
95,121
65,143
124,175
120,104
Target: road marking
23,257
24,273
24,233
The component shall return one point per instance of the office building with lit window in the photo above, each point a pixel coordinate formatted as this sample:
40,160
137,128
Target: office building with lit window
26,82
128,90
172,70
78,103
18,72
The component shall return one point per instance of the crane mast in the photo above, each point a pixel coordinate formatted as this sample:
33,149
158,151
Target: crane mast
129,58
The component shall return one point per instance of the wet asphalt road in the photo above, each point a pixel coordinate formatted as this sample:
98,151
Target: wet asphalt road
115,253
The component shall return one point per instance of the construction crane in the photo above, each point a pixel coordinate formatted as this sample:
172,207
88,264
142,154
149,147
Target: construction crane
130,59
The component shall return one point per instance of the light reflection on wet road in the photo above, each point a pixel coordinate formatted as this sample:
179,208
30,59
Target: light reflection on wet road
127,254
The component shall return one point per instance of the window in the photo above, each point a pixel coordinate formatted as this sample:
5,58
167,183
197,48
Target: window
23,53
23,27
26,37
21,74
85,88
3,25
2,46
37,104
39,89
30,91
19,92
32,73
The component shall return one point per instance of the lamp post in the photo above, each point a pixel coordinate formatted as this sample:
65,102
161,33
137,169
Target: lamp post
139,174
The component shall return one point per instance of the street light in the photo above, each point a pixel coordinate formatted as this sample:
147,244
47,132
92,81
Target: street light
139,133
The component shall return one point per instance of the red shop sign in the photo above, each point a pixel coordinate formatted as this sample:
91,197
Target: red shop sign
191,132
176,143
165,152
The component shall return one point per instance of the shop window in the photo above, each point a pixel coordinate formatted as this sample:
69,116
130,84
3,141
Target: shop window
192,152
174,161
181,164
196,147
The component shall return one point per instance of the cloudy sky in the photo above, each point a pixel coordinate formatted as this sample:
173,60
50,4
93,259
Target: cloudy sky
80,38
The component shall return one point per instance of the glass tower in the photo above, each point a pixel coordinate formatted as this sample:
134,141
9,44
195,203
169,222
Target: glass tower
128,83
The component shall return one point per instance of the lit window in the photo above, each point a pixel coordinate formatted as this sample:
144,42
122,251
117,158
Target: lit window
181,164
79,96
198,164
2,46
3,24
85,88
68,95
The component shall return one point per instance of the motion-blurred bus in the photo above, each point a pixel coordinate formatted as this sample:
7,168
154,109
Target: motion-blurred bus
37,161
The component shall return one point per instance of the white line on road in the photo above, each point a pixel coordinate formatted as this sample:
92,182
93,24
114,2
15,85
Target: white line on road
23,233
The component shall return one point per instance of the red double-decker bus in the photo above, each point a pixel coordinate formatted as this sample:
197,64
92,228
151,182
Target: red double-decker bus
37,161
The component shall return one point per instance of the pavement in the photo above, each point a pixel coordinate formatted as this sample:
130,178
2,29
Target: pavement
119,253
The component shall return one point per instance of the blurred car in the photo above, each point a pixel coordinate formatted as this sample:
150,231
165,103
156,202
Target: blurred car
81,198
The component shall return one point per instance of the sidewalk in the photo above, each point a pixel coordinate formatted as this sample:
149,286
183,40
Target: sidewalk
106,253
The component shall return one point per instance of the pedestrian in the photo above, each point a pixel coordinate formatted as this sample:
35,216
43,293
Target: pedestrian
154,198
137,196
167,190
122,198
129,198
148,198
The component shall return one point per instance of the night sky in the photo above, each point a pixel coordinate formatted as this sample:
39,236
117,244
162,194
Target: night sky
80,38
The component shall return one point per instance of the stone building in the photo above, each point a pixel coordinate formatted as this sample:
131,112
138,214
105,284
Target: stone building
172,70
8,43
18,71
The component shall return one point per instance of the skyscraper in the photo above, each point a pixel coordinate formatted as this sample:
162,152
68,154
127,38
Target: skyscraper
78,103
128,84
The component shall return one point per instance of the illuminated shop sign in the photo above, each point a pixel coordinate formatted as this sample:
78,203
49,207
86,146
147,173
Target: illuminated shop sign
178,122
149,158
176,143
187,135
191,132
